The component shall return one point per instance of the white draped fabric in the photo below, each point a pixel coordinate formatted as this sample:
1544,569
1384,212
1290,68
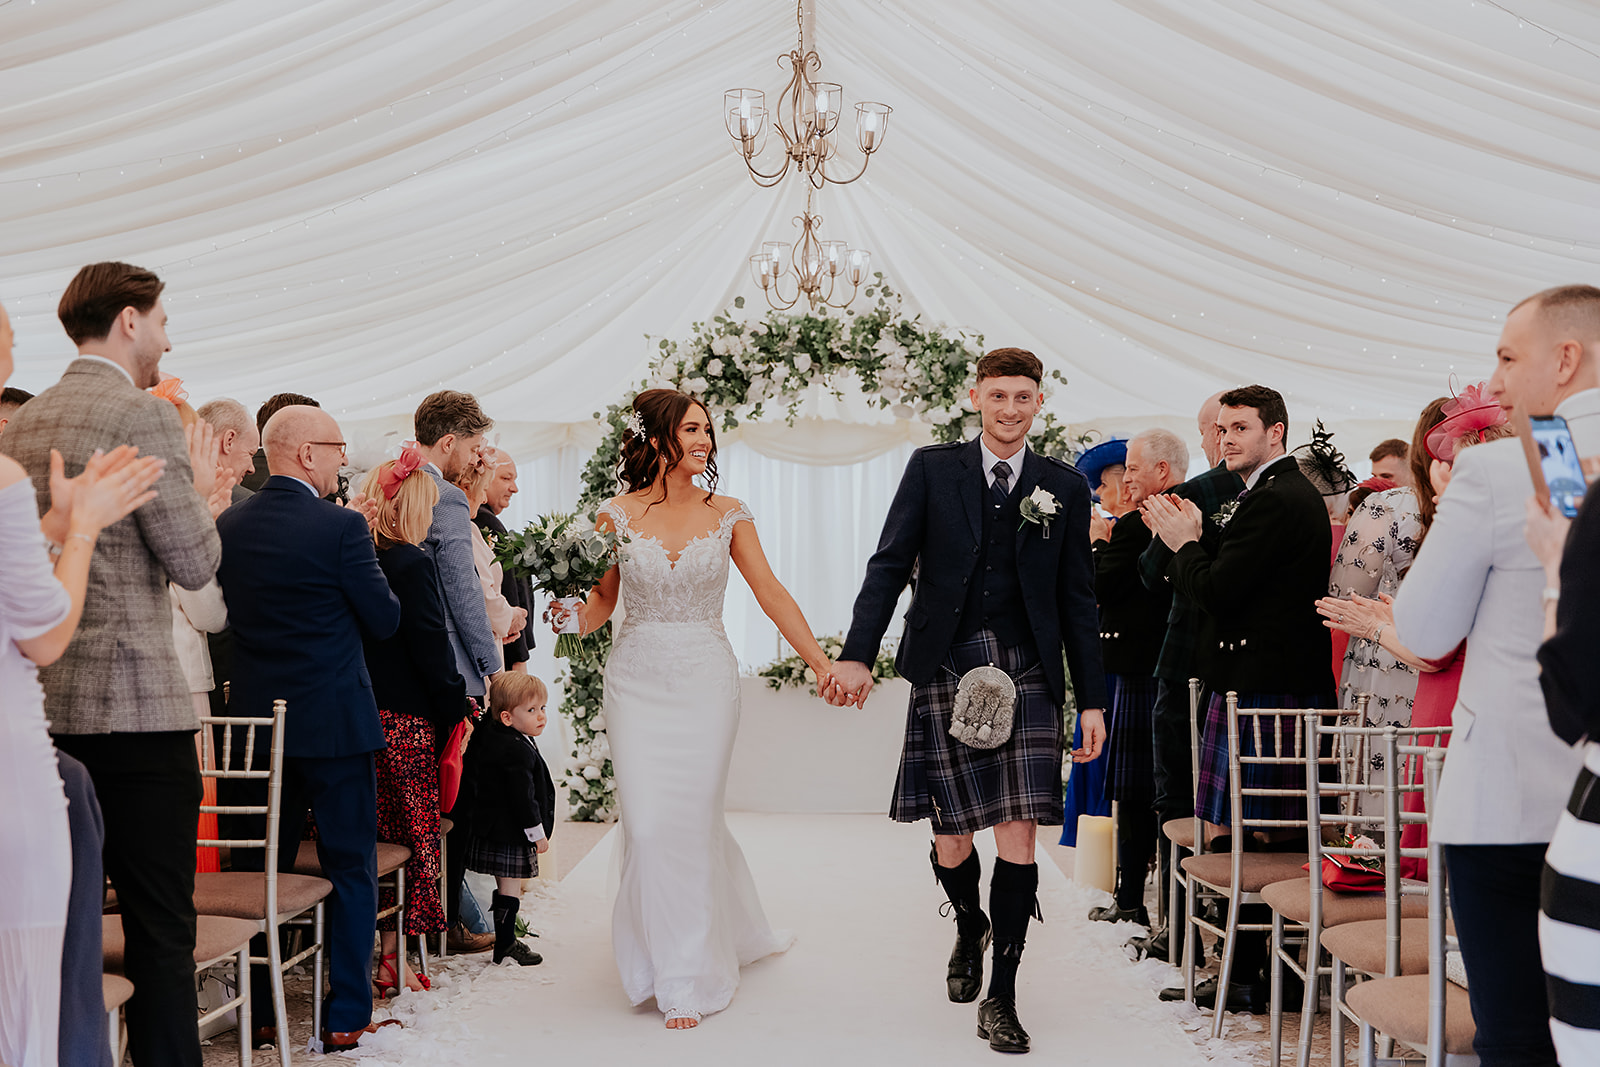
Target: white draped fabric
366,199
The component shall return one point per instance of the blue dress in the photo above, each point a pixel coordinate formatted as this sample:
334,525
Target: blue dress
1086,785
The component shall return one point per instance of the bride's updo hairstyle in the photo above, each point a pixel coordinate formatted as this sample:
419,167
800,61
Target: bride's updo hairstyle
650,447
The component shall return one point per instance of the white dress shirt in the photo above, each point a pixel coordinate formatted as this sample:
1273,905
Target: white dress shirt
990,459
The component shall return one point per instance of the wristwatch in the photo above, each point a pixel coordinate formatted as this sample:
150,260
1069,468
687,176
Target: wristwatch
1550,595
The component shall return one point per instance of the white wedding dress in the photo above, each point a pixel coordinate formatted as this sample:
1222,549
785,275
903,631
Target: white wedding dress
687,914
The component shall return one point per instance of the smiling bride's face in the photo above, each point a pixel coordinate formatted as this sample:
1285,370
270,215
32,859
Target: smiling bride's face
694,439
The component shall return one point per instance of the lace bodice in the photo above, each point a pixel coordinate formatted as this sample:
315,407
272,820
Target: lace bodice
656,588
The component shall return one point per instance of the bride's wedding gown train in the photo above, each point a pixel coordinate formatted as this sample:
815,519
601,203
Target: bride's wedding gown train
687,915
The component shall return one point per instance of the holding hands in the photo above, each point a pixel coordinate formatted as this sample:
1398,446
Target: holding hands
847,683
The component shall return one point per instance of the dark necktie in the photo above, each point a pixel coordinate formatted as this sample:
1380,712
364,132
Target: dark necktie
1002,482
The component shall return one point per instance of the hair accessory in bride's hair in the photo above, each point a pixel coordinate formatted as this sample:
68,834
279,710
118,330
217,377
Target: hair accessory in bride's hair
1472,411
634,423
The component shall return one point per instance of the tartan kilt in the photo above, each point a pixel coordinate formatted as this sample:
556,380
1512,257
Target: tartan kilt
962,789
501,859
1211,795
1133,722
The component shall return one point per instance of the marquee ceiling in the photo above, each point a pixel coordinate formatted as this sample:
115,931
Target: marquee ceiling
365,199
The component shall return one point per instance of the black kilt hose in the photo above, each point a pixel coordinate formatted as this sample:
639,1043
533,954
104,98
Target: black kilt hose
964,789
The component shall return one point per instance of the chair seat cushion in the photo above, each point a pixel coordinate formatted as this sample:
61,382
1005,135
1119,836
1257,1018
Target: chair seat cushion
1399,1007
1260,869
216,937
1362,945
116,989
1179,832
1291,898
391,857
243,894
446,824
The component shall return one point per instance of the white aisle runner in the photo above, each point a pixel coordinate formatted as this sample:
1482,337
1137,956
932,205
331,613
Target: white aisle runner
863,984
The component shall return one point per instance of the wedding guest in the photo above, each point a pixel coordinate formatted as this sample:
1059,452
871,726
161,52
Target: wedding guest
304,588
1569,911
513,802
1257,583
420,697
51,881
1508,773
449,426
1446,427
11,398
1133,621
116,700
237,440
258,464
506,621
1180,659
1087,783
517,590
1391,460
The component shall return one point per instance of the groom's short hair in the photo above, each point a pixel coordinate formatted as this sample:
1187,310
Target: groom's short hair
1010,363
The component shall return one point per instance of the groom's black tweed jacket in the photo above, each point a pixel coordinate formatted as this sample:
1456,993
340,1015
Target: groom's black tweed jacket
935,527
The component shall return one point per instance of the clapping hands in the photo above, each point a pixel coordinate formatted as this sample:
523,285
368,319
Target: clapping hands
1175,520
111,485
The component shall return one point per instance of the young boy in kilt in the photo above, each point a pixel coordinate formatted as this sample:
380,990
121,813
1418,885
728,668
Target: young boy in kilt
998,537
513,802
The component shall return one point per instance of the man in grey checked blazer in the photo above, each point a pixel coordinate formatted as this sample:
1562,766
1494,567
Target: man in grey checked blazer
117,700
450,428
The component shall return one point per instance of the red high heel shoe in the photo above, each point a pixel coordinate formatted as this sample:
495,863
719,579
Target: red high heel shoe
385,987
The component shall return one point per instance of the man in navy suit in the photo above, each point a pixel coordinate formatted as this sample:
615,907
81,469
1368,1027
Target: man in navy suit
303,585
992,587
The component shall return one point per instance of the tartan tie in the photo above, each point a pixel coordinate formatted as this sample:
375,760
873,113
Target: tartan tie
1002,482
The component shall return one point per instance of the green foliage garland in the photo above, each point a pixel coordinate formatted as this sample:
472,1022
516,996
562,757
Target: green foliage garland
747,370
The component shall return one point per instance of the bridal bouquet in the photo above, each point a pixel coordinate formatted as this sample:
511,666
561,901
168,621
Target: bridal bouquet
564,556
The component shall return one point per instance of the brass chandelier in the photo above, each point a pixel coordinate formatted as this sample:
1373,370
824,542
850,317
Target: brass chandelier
818,266
807,120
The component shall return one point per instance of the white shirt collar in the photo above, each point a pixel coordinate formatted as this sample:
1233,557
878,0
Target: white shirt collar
990,459
110,363
1579,404
1255,475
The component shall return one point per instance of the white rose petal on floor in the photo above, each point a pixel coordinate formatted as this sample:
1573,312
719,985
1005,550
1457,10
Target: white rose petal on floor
864,982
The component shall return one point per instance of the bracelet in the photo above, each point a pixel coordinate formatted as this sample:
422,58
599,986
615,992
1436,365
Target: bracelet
1550,596
82,537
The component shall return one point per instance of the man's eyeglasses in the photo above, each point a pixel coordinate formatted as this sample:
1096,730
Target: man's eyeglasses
331,444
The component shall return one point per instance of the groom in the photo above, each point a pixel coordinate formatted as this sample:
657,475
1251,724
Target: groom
990,587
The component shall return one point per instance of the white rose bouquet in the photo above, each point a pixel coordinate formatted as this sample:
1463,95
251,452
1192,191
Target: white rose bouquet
564,556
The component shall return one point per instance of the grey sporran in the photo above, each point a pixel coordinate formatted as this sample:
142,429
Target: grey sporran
986,703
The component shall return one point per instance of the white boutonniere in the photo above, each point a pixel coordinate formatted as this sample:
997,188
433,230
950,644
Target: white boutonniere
1039,508
1225,513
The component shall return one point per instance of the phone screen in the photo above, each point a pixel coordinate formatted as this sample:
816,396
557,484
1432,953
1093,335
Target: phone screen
1558,460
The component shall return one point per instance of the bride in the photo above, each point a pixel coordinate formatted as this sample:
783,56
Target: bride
687,915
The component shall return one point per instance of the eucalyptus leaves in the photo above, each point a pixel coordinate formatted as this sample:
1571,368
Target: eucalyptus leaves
564,556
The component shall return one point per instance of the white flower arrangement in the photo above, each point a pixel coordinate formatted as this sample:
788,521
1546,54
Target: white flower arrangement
791,672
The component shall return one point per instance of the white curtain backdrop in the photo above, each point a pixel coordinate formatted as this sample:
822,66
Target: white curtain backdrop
367,199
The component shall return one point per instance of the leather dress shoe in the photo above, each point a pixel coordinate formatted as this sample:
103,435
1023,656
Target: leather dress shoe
964,978
461,942
998,1025
1154,945
263,1037
1246,998
344,1040
1114,914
